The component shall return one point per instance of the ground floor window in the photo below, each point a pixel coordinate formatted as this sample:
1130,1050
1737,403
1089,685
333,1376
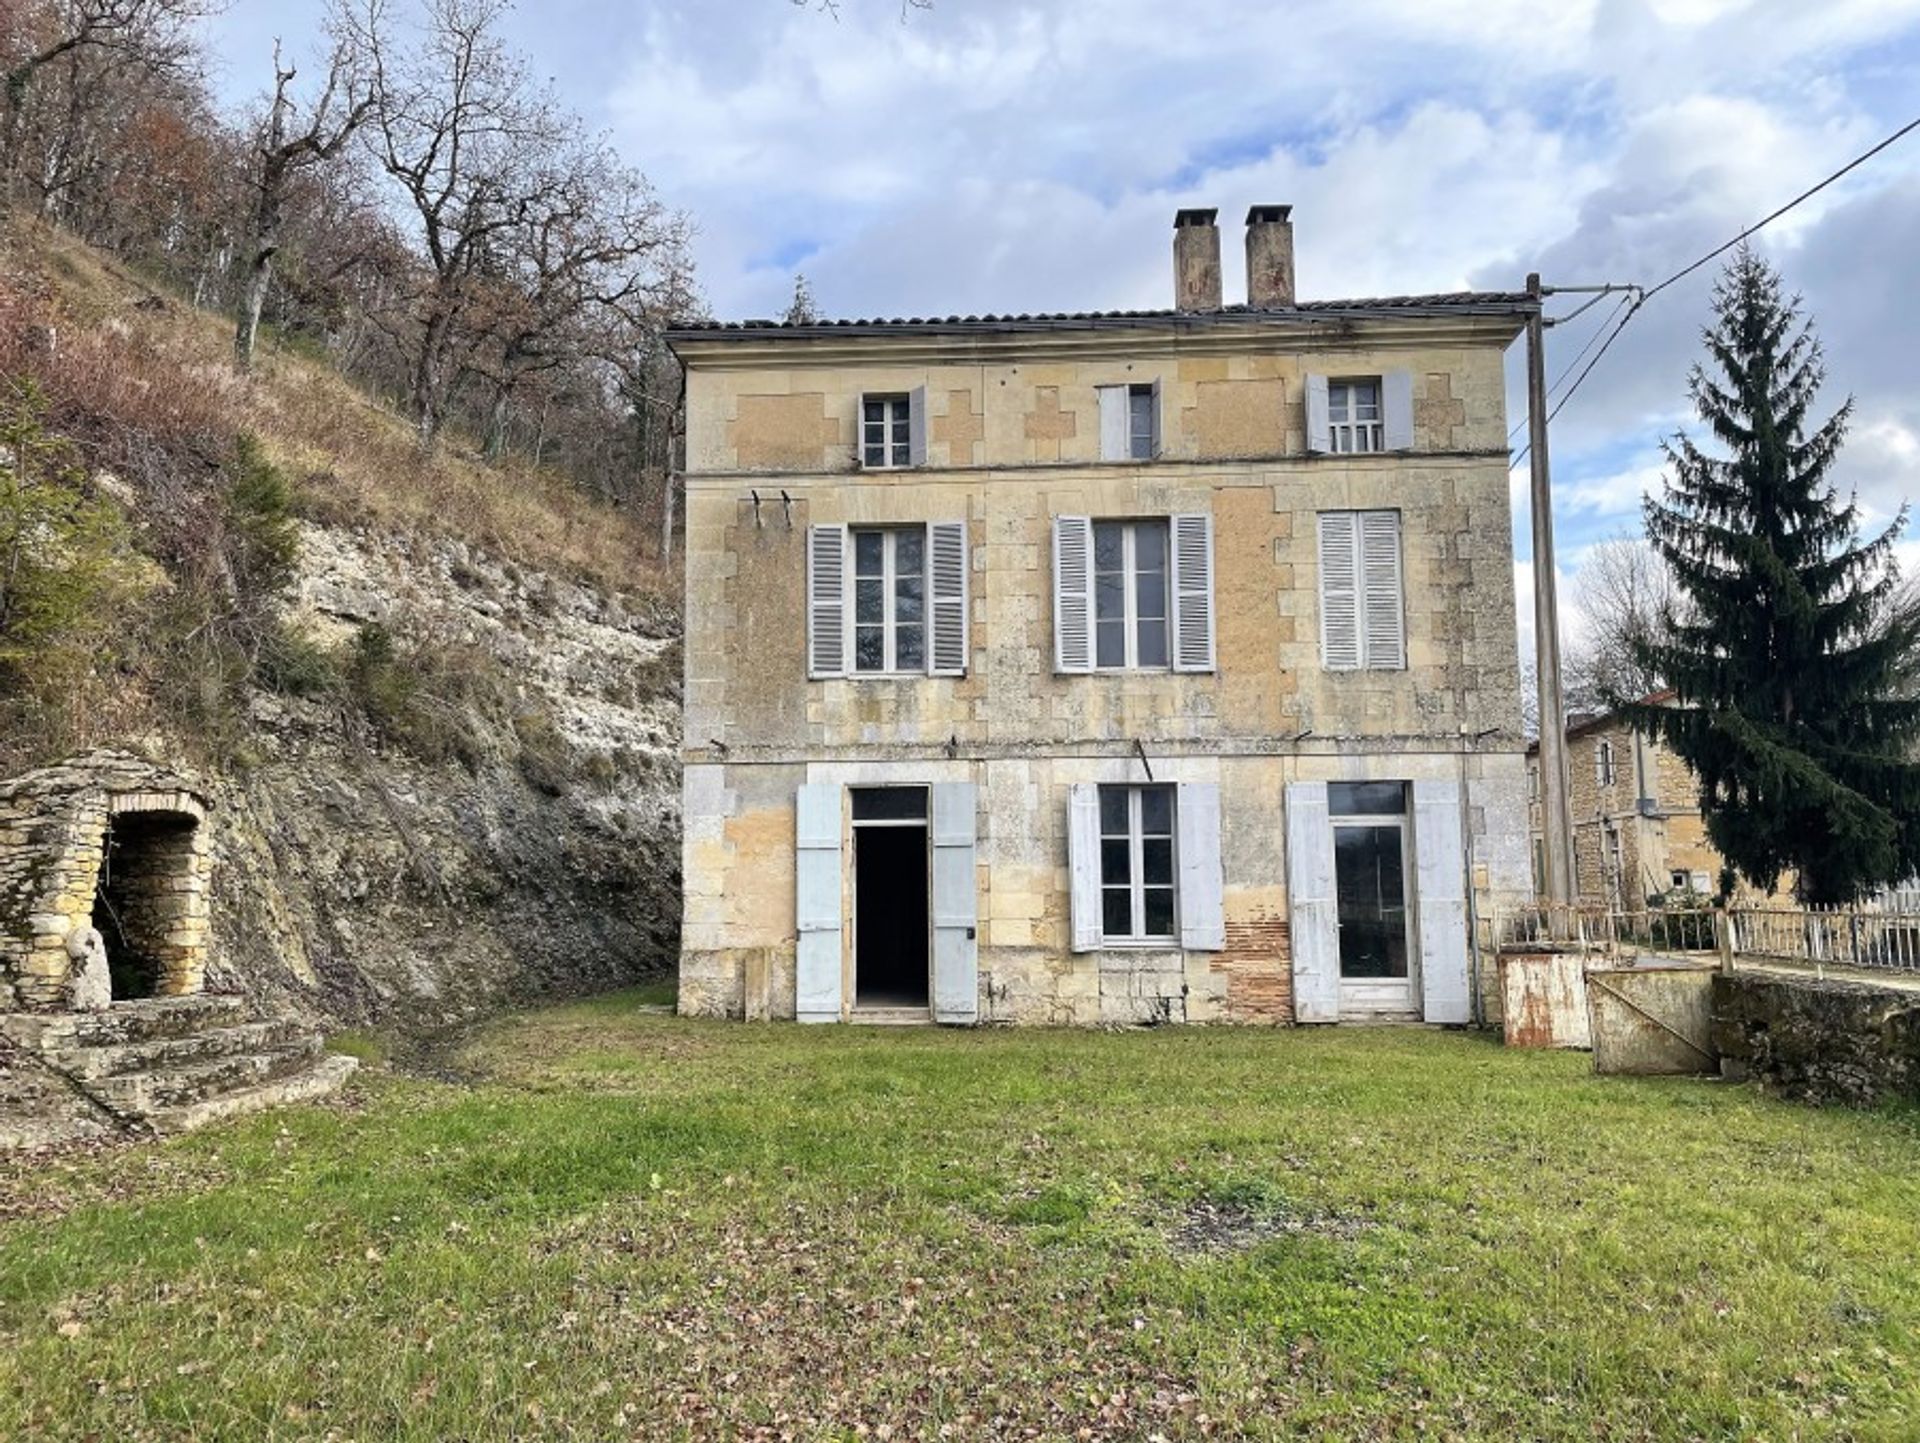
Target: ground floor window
1137,890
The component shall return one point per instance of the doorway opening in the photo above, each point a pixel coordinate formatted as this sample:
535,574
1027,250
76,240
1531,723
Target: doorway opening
1370,885
140,905
892,906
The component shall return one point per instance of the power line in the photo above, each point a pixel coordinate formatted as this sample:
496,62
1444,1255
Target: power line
1598,331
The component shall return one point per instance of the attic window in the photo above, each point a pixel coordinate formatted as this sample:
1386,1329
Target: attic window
885,431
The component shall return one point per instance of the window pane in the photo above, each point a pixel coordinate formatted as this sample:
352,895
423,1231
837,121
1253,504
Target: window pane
869,602
1110,644
1339,401
902,454
1366,401
1113,811
1367,799
876,411
1150,546
1140,422
907,652
889,804
1109,598
1116,912
1156,811
875,455
1109,552
869,649
1153,642
909,547
907,591
1150,594
1156,861
1159,909
869,552
1116,865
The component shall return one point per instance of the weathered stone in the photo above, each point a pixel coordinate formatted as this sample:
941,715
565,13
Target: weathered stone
1818,1040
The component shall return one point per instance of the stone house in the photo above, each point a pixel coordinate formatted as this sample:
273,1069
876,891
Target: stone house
1114,667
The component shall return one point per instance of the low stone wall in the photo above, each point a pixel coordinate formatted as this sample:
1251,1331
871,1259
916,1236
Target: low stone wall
1818,1041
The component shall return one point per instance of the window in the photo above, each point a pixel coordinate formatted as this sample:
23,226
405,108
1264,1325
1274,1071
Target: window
886,431
1353,413
890,600
1603,763
1129,422
1136,864
1362,625
1680,881
1130,595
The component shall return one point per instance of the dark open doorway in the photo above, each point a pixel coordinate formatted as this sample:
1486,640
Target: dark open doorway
891,909
141,899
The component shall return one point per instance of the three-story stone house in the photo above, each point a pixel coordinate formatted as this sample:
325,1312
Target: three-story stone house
1111,667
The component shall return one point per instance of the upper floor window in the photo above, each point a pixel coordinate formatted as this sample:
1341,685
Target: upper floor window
886,430
890,600
887,600
1130,594
1129,422
1133,594
1353,413
1603,763
1362,617
1359,415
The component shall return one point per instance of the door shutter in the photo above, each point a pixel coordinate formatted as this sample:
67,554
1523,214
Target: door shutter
826,601
917,426
1312,912
1083,864
1319,421
1339,592
1203,924
1440,869
947,593
1193,593
1072,594
817,897
1113,423
1396,410
1386,645
956,906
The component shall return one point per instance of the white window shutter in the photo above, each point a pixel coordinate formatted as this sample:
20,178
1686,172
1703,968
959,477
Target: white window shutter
827,601
1313,915
860,430
1113,422
817,900
1441,904
1072,594
1156,416
1319,421
1203,922
1083,865
1339,592
1193,593
1396,410
1386,643
917,426
947,594
956,905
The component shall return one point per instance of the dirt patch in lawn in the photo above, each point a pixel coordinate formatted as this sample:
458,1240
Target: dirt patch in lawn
1214,1228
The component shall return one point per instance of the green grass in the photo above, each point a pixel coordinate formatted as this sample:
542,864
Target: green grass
642,1227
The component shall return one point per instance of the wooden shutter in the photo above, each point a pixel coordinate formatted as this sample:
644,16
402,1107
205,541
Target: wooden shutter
1313,913
1083,864
947,598
1072,594
1396,410
1192,593
1115,423
1441,903
1203,924
956,906
917,426
1339,592
1319,421
1385,631
1156,417
817,898
826,601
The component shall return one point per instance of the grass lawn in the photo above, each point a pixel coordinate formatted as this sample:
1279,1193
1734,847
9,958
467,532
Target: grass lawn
629,1226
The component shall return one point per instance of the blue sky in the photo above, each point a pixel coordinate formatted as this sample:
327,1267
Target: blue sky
1029,154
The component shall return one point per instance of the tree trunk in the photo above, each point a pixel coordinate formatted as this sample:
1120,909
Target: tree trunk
429,384
252,300
496,446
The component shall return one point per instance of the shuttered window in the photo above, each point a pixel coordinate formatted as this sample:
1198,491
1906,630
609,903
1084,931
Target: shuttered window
893,429
1129,422
887,600
1356,415
1133,595
1362,615
1137,890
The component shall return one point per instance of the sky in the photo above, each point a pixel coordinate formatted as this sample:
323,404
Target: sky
1010,155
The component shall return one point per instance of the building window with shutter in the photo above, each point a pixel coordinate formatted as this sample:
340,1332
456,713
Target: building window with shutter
1603,763
1138,901
1133,595
1129,422
1362,613
1353,414
887,601
886,431
1130,595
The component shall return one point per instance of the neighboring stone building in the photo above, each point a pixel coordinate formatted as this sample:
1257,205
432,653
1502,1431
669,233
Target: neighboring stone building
1093,668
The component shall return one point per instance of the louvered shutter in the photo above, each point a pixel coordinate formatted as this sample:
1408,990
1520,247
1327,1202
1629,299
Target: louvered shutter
1440,867
1193,593
1319,419
826,601
1203,925
1083,865
1396,410
956,905
1380,584
1156,417
1113,423
947,593
817,902
1313,916
1072,594
1339,592
917,426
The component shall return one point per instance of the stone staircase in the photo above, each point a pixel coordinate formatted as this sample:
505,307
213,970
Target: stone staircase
175,1063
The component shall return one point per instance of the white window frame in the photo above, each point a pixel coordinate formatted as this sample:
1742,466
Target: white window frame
1603,768
896,423
1130,601
1142,447
1350,433
1136,869
889,598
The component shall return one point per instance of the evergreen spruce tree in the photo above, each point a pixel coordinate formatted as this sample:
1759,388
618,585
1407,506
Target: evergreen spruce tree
1791,658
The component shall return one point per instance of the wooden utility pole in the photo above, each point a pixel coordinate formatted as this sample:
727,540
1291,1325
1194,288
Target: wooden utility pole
1556,805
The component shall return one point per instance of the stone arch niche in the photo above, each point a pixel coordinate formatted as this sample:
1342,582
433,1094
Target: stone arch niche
103,874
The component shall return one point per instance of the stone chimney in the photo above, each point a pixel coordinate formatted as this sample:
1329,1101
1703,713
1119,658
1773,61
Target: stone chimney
1270,257
1196,260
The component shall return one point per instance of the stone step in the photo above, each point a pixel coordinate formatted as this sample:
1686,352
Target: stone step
324,1076
92,1063
140,1094
147,1020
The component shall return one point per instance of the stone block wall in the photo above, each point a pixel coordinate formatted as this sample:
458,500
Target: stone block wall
1818,1041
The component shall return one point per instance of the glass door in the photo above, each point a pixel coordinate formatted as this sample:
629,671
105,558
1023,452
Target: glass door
1370,889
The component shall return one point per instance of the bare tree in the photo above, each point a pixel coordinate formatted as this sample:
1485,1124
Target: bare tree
1625,595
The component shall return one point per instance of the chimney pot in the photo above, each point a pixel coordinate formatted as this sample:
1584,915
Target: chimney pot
1196,260
1270,257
